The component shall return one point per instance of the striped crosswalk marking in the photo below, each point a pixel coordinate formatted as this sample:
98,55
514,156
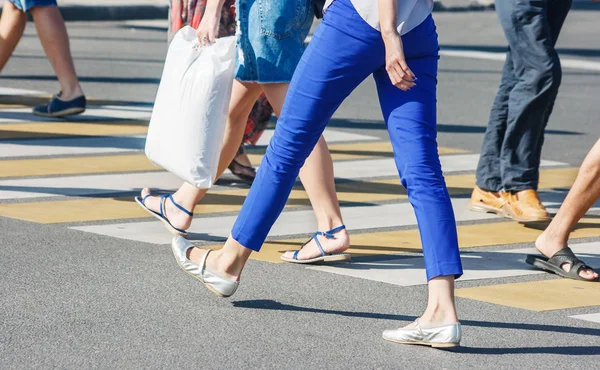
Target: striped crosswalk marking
83,173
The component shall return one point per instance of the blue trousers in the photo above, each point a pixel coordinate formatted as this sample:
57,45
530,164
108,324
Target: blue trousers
343,52
512,145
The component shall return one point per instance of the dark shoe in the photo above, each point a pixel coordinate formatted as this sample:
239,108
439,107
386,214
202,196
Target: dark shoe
61,108
555,264
245,173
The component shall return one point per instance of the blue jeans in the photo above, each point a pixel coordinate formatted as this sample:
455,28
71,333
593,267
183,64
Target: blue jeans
343,52
26,5
512,145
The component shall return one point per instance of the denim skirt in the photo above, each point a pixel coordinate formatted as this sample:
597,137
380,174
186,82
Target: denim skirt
271,36
26,5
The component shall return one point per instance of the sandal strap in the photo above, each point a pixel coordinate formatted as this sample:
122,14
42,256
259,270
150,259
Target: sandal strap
296,254
144,198
162,201
329,234
191,214
315,237
566,255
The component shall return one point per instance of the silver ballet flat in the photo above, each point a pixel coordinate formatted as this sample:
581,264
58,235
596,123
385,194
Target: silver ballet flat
216,284
438,337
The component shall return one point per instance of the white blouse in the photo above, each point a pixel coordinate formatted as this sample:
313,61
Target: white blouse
410,12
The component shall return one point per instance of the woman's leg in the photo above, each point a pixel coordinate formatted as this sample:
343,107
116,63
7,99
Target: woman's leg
335,62
243,97
55,41
318,180
411,121
12,25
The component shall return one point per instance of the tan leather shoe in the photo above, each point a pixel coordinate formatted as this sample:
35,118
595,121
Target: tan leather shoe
487,202
525,206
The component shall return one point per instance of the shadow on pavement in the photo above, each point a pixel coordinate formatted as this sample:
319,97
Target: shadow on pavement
267,304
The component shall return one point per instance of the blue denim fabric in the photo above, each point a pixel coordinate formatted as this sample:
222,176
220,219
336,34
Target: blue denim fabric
343,52
271,37
26,5
512,145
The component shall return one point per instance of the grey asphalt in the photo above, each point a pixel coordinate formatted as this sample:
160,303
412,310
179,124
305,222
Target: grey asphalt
73,300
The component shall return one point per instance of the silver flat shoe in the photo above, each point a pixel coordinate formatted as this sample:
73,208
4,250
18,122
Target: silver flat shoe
438,337
216,284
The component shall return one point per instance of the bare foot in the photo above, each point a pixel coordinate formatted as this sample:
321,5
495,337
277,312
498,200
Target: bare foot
176,217
548,246
339,244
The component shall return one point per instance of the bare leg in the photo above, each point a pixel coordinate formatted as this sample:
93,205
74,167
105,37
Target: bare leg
584,193
55,40
318,180
12,25
243,97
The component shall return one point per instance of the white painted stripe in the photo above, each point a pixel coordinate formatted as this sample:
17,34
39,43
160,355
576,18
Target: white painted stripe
386,167
289,223
331,136
71,146
115,183
297,222
592,317
117,144
92,114
476,266
11,91
565,62
86,185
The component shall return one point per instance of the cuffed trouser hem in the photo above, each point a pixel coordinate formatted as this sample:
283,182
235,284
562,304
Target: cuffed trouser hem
444,269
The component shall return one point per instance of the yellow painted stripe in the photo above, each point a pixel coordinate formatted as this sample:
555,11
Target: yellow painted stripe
75,165
61,129
355,151
537,295
355,192
11,106
96,164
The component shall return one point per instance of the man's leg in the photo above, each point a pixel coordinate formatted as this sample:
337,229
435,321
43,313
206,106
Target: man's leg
584,193
12,25
486,195
55,40
537,68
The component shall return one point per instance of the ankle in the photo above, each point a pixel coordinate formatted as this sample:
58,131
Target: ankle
550,241
439,315
71,92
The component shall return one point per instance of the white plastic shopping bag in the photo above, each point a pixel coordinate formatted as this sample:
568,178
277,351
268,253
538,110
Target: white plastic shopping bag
188,121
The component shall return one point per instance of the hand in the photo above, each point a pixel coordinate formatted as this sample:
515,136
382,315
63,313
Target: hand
395,63
208,28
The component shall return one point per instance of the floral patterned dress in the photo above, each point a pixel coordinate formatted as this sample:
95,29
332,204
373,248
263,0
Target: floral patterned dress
190,12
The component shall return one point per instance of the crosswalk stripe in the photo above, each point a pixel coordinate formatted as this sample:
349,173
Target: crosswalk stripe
592,317
117,183
354,151
92,114
299,221
106,164
71,146
538,296
398,242
114,144
349,193
477,265
62,129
